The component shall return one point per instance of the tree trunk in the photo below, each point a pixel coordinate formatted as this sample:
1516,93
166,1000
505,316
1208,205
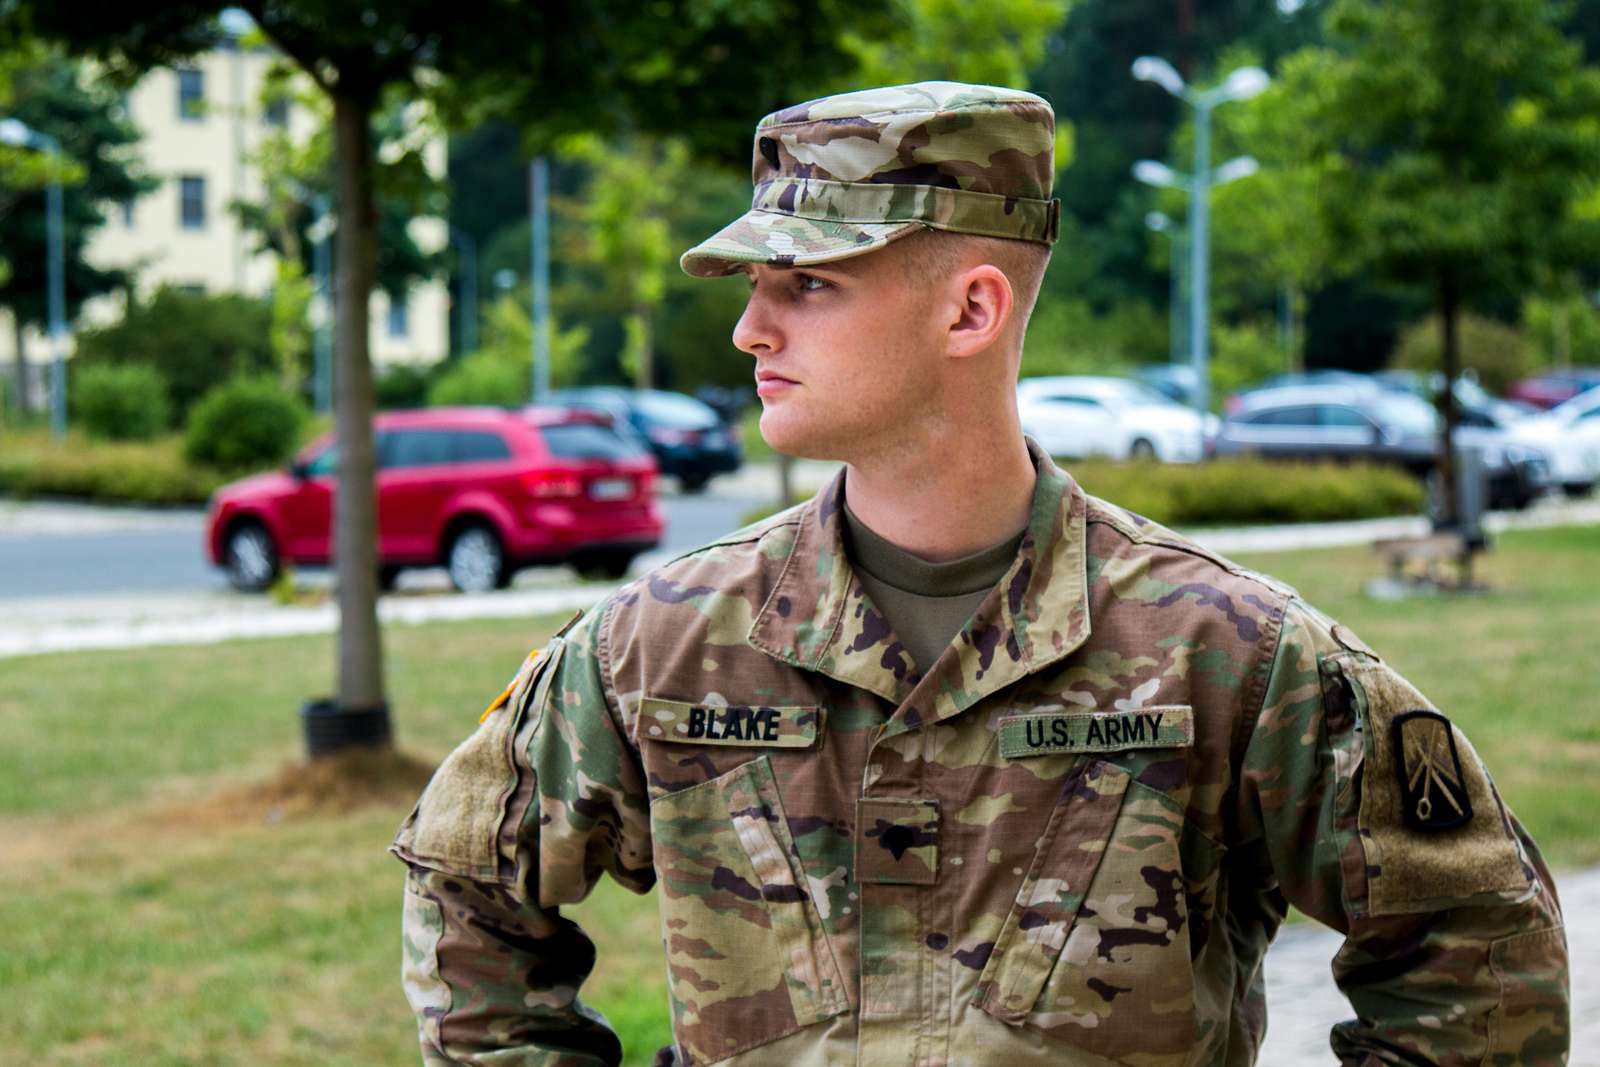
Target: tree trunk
24,400
355,508
1449,309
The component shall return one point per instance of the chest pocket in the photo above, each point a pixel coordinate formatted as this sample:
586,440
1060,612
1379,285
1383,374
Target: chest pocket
1095,951
748,960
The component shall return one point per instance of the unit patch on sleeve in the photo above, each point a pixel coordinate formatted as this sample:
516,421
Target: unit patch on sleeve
1433,792
1043,733
794,726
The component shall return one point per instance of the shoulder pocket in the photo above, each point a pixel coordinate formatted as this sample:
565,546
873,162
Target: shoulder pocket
455,826
1432,826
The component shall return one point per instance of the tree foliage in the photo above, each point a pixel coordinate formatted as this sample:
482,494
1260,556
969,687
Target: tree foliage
195,341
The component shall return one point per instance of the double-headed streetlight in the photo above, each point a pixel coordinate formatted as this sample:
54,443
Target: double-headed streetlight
16,132
1240,85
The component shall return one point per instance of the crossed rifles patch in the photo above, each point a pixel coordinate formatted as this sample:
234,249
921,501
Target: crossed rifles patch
1433,789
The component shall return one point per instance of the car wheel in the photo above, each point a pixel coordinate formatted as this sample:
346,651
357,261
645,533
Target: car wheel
1574,490
250,558
1142,450
609,565
388,576
476,561
694,483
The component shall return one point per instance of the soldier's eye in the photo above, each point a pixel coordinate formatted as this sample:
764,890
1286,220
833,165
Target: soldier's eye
810,283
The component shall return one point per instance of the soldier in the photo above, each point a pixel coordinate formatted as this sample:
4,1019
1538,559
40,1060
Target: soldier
955,763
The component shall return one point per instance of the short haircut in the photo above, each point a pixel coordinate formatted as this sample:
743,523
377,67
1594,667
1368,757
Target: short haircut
935,253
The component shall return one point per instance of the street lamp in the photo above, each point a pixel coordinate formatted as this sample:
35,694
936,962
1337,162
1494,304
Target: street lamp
1239,85
1160,223
16,132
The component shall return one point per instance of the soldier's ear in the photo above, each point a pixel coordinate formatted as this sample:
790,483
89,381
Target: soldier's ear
981,306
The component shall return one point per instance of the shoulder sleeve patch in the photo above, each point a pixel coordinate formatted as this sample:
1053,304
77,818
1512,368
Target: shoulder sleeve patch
455,826
1432,827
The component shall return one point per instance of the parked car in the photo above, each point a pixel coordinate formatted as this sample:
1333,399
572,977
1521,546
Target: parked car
1082,415
1570,434
1178,382
1478,407
1545,391
480,491
1326,376
689,439
1359,422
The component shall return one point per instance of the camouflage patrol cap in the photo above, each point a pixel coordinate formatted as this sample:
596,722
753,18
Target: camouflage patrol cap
847,174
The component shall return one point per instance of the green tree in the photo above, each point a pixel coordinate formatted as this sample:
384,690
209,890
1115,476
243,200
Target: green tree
1465,160
196,341
557,68
53,95
995,43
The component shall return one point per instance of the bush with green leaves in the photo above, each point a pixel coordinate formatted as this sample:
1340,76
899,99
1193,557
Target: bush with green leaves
127,403
402,385
482,378
248,422
144,472
195,341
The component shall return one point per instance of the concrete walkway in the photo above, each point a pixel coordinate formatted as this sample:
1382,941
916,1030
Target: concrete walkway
1303,1003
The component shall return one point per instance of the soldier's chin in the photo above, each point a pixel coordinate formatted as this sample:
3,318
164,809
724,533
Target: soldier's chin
786,429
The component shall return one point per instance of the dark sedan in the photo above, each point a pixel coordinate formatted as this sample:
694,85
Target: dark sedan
689,440
1349,423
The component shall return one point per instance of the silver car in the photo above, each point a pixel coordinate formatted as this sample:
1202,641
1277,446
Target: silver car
1348,422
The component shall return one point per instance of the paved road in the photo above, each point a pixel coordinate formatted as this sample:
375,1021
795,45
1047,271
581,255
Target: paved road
49,550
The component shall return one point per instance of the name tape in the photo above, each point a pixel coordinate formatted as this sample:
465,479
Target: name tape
1040,734
793,726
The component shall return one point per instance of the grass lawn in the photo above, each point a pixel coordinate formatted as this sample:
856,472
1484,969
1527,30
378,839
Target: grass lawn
169,896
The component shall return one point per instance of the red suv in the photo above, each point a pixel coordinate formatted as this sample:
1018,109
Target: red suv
480,491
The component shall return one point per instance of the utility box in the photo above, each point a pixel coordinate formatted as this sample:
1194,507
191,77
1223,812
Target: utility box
1471,497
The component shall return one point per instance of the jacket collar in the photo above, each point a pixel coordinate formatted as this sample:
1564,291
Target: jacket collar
820,618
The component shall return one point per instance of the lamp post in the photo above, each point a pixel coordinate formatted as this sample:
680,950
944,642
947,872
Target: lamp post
321,233
1239,85
539,273
16,132
1160,223
467,325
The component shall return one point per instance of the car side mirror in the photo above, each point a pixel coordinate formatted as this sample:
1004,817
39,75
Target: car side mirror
299,470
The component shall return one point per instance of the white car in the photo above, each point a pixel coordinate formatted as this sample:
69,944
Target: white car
1569,434
1080,415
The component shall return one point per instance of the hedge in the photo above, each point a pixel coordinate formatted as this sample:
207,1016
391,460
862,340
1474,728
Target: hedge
121,403
246,422
1243,491
152,472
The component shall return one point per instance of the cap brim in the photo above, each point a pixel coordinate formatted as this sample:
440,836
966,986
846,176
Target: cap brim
787,241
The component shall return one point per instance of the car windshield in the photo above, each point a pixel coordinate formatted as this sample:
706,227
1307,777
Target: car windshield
1131,392
677,411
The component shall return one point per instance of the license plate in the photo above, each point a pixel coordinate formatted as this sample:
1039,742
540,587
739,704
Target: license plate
611,488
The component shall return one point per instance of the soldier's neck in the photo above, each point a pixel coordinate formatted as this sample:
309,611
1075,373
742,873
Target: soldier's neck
947,503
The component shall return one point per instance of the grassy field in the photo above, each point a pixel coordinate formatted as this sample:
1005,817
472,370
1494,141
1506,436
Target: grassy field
174,891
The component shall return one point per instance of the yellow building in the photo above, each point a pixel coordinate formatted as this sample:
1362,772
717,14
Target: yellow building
202,125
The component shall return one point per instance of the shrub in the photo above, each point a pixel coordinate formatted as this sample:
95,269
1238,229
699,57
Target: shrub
482,378
244,423
142,472
195,341
1497,352
402,386
127,403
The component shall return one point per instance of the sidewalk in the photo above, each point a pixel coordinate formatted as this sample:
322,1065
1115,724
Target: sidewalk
1303,1003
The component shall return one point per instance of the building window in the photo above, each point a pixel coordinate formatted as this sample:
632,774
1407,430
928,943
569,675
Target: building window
192,194
399,316
192,288
191,93
276,113
127,212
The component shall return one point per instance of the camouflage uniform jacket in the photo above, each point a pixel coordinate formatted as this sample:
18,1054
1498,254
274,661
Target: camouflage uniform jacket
1069,842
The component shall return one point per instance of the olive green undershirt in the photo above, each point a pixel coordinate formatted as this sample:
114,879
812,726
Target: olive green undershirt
926,603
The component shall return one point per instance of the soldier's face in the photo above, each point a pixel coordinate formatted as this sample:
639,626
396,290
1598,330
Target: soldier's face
846,355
